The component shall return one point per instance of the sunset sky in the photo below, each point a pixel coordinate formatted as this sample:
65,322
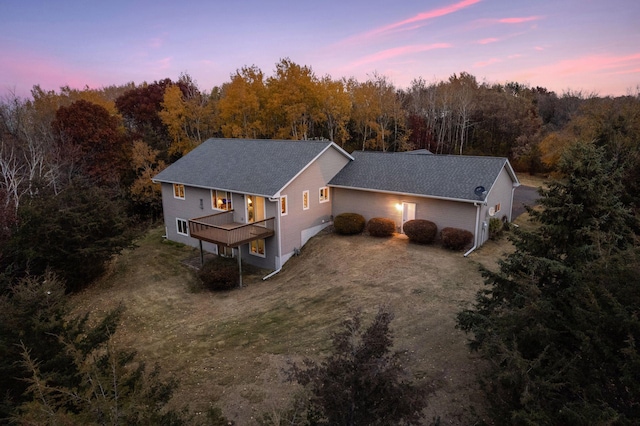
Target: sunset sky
587,45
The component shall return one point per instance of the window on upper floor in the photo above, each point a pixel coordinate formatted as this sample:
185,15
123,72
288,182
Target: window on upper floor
221,200
178,191
283,205
324,194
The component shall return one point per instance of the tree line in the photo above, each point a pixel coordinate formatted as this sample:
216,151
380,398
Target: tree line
75,188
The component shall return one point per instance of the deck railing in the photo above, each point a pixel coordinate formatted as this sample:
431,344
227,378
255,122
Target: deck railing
220,228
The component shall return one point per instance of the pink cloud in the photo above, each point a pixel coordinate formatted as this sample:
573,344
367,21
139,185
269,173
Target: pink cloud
590,64
25,69
397,51
164,63
486,63
435,13
415,21
519,20
487,40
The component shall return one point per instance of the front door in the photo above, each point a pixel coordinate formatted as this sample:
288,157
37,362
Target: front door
408,213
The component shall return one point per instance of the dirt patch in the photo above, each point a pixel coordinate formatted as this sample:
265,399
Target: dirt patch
229,349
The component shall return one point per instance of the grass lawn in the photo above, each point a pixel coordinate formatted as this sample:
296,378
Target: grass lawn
229,349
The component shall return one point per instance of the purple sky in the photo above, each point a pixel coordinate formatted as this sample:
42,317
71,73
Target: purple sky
587,45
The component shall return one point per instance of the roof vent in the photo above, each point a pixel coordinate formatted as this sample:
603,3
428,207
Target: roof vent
480,191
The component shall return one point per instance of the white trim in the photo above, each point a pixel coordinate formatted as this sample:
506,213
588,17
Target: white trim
214,205
332,144
305,193
186,224
264,248
184,191
326,199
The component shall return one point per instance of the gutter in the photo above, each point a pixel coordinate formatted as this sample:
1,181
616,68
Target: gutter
475,244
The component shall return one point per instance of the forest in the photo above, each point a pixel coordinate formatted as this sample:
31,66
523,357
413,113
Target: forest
65,153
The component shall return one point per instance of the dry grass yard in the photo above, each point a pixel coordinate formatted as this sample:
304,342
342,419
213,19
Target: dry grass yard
229,349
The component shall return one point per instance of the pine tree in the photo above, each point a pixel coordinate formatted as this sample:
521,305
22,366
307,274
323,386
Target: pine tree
559,338
362,382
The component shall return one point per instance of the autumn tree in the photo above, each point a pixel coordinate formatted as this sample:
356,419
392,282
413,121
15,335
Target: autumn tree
188,114
362,382
364,111
559,321
293,101
241,104
144,193
335,107
140,108
90,142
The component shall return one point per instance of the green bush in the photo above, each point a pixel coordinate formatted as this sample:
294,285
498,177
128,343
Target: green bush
420,231
349,223
381,227
495,228
455,238
220,274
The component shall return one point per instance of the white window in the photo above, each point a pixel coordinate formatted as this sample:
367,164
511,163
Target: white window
183,226
497,208
256,248
324,194
305,200
178,191
283,205
221,200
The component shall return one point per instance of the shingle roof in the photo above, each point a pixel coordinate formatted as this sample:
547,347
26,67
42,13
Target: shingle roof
252,166
441,176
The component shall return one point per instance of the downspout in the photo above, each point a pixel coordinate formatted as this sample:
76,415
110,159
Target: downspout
475,244
279,265
513,190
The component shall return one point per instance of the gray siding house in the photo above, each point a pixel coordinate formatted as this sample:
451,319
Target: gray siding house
449,190
264,198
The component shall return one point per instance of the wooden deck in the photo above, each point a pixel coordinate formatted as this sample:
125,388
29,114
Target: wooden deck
220,229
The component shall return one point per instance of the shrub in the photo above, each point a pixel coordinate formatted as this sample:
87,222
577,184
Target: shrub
349,223
455,238
219,274
495,228
381,227
420,231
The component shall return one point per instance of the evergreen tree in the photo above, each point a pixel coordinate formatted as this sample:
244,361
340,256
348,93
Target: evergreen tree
73,233
553,324
362,382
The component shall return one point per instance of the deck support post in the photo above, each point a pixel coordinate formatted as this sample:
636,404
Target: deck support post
201,254
240,264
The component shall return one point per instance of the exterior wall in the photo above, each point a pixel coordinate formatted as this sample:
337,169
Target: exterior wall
190,208
271,258
443,213
298,225
501,193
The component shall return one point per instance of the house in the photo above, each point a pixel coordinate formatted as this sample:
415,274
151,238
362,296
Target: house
262,200
449,190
